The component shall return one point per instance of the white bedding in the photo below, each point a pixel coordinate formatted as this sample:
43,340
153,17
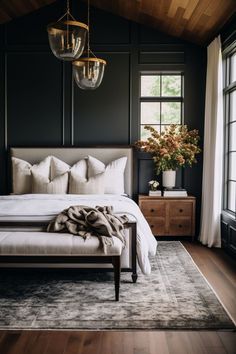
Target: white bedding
43,207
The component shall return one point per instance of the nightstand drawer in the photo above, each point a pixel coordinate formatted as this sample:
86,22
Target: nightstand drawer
180,208
157,225
153,208
180,226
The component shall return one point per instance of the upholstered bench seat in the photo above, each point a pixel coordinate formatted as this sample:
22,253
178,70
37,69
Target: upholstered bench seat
43,243
42,247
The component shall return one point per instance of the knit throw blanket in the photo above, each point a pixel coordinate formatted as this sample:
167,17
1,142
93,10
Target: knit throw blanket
85,221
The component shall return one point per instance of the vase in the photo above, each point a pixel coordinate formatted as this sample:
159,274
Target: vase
168,178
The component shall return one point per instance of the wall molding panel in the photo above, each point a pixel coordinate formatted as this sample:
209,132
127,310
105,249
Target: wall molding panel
33,98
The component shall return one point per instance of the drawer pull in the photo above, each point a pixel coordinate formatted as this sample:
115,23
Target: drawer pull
152,210
180,210
180,225
152,226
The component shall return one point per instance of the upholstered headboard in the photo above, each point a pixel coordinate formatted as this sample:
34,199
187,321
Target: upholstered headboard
73,154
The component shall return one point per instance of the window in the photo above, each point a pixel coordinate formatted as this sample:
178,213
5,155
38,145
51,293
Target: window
161,101
230,129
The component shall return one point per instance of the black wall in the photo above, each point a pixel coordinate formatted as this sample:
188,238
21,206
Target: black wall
40,104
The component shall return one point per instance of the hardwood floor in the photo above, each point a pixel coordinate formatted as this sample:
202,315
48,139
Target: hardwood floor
220,271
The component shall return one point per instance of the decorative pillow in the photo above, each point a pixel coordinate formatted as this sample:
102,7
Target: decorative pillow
57,182
78,172
21,176
80,168
114,173
22,171
49,176
42,184
42,181
42,168
95,166
93,185
58,167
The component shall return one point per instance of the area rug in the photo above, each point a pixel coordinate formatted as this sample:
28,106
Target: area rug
174,296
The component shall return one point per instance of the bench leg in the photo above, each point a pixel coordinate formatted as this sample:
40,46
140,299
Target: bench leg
134,277
116,264
134,252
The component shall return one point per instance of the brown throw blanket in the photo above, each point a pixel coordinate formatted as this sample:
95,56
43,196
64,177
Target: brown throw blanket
85,221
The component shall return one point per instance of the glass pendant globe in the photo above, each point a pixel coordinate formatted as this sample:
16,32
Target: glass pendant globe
67,39
88,72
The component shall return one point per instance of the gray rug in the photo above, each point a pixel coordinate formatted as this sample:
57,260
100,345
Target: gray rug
174,296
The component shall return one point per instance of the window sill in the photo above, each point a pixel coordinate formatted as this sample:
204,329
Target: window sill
228,215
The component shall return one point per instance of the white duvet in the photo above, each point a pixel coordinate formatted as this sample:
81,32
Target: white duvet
44,207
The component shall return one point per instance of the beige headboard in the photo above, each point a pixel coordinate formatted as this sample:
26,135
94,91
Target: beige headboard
73,154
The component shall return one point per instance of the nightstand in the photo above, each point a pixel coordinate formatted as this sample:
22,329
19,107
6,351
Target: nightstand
169,216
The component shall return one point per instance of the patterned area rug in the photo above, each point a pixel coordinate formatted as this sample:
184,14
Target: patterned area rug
174,296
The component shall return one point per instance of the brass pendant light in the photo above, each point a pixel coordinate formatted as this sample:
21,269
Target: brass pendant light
67,37
88,71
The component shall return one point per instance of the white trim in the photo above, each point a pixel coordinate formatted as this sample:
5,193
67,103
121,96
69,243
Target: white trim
210,286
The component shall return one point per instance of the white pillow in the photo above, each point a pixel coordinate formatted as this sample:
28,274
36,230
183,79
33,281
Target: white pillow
22,171
78,172
95,166
42,184
42,181
49,176
58,167
21,176
80,168
93,185
114,173
57,182
42,168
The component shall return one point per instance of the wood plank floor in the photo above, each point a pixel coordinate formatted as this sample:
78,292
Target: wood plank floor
219,270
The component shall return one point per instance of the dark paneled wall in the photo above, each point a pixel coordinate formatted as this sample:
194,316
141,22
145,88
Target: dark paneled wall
40,104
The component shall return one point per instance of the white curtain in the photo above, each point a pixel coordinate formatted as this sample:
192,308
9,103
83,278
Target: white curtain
210,234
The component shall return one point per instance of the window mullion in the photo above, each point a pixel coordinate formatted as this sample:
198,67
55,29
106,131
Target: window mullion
161,99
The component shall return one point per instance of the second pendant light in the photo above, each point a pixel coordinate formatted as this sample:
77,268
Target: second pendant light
88,71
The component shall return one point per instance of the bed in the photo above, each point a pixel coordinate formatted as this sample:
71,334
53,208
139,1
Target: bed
23,217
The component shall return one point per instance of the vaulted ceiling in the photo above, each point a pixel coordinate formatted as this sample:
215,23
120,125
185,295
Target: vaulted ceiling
10,9
194,20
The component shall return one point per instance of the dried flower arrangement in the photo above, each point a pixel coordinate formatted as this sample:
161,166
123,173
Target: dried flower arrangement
174,147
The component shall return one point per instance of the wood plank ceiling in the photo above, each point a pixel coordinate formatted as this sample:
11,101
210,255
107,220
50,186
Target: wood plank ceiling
195,20
10,9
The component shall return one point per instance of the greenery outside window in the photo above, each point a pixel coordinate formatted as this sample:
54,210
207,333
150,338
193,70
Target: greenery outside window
161,101
230,129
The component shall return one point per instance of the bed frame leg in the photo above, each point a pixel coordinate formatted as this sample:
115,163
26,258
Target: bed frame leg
116,264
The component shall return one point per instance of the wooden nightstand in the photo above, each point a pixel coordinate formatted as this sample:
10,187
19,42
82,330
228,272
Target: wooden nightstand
169,216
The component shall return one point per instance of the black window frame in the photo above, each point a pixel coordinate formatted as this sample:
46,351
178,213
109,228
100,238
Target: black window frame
228,88
161,99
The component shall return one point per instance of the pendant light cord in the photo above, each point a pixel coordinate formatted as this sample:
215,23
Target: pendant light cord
88,27
67,14
90,52
67,17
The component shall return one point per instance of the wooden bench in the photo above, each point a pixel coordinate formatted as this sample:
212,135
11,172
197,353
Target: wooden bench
41,247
